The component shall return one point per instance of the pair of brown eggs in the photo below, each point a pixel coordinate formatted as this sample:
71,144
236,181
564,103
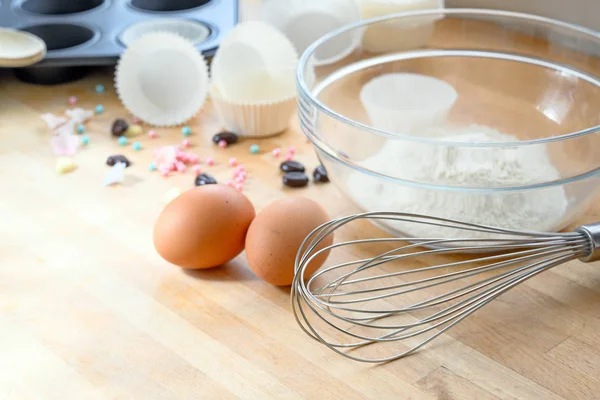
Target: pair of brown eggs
210,225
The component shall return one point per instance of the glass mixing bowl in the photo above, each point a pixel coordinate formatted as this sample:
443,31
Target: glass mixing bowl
483,116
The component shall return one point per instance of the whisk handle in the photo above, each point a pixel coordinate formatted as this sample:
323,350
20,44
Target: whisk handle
592,231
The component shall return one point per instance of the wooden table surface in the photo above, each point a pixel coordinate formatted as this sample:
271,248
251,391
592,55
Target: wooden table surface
88,310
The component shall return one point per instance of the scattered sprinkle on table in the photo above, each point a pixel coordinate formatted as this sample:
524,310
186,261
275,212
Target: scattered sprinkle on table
276,152
134,130
85,140
196,169
185,144
80,128
72,100
210,161
122,140
99,109
152,134
137,146
289,157
254,149
233,162
222,144
152,166
239,187
186,131
65,165
99,88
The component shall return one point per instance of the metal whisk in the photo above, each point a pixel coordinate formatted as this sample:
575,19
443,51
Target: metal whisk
385,304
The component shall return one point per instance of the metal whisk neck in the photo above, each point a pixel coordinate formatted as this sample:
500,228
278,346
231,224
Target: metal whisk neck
592,232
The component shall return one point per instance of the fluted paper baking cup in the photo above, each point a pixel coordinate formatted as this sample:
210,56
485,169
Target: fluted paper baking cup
303,22
254,119
398,34
407,103
20,48
194,31
255,62
162,79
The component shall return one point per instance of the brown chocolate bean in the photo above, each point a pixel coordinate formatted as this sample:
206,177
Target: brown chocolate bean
228,137
291,166
320,174
119,127
112,160
295,179
204,179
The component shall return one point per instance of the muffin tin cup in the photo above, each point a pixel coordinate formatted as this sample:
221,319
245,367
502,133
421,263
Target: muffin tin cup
94,32
254,120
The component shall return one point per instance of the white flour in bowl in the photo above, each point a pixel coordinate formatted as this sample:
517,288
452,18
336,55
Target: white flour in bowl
533,210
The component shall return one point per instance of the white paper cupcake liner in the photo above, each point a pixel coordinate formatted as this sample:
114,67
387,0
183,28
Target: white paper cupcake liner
194,31
399,34
303,22
407,103
162,79
255,62
254,120
19,48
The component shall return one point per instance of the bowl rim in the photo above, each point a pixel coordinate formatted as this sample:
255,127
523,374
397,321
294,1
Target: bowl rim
307,95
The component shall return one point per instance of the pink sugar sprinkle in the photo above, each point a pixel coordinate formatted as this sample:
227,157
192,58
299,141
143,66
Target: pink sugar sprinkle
233,162
193,158
180,155
137,120
173,166
210,161
243,175
229,183
152,134
240,179
180,167
289,156
72,100
222,144
292,150
196,169
164,172
276,152
185,144
239,187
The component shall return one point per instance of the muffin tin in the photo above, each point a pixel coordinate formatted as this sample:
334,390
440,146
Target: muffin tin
90,32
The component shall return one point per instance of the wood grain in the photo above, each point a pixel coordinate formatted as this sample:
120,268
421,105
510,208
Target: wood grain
88,310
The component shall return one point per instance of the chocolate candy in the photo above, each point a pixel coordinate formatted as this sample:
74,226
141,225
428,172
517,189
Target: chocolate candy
204,179
228,137
112,160
295,179
119,127
320,174
291,166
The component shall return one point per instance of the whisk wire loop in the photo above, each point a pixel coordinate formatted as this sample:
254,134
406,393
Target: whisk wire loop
377,303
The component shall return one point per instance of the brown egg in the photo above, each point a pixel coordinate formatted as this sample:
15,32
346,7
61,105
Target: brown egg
277,233
203,227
